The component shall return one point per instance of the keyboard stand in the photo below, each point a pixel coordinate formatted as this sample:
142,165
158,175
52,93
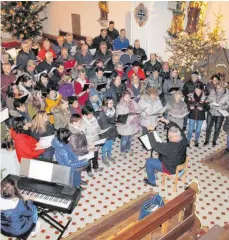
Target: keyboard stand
43,213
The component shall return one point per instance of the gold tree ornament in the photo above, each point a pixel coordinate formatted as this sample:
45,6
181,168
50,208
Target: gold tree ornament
22,35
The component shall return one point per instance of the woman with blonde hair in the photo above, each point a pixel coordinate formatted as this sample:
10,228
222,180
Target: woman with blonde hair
177,109
41,127
62,115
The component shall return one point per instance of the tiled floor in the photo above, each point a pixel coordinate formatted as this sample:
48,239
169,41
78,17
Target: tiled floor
120,183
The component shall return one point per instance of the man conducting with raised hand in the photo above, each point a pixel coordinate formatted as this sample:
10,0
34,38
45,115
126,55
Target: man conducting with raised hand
171,153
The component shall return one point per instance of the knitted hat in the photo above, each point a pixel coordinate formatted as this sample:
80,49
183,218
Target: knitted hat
93,92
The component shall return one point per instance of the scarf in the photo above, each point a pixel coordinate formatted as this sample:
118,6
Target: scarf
131,107
120,73
110,112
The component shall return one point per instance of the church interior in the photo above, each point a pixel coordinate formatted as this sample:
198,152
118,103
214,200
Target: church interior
115,120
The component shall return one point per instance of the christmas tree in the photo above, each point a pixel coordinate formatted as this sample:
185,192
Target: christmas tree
190,52
21,19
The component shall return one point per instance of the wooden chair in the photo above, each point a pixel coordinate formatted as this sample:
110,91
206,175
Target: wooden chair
181,172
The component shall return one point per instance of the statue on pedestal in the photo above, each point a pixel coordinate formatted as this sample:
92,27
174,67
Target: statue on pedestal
103,6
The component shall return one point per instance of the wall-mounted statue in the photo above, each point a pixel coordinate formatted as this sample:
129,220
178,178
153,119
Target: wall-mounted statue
104,10
177,25
195,13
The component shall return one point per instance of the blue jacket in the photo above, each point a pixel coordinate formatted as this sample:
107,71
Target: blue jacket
66,157
19,220
119,44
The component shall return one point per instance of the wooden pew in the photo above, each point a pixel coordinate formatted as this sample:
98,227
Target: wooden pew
169,222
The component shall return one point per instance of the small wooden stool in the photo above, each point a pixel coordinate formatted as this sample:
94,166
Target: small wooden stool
181,172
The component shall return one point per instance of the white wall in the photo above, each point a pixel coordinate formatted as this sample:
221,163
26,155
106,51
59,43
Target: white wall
59,16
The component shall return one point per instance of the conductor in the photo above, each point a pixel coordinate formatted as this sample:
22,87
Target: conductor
171,153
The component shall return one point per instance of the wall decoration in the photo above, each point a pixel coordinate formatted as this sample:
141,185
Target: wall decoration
104,10
196,13
141,14
177,25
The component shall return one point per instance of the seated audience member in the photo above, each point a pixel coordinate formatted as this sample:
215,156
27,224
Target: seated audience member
118,70
61,115
91,129
47,64
132,125
46,48
20,110
43,83
150,104
60,44
66,157
197,105
226,129
135,87
136,69
94,101
70,44
173,82
12,93
111,63
24,55
89,43
106,118
140,52
171,153
177,109
25,84
102,38
58,73
65,87
116,89
51,101
84,57
151,64
154,81
41,127
218,100
74,106
121,41
6,78
64,56
25,145
31,70
103,53
128,57
19,216
211,85
165,71
36,102
78,87
112,33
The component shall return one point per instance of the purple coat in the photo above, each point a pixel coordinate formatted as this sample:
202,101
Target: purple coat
66,90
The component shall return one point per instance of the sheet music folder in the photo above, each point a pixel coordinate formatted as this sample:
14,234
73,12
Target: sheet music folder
45,171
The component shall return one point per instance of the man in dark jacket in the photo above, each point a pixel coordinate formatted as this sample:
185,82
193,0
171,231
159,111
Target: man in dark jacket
84,57
60,44
24,56
171,153
140,52
102,38
57,75
47,64
31,70
111,63
112,33
151,64
103,54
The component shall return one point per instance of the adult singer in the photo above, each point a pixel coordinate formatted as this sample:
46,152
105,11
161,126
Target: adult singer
171,153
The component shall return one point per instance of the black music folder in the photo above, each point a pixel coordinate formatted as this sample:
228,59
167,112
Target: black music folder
101,86
86,86
174,89
122,118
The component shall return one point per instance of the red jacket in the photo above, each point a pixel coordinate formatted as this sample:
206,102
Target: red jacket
78,89
140,74
25,146
42,52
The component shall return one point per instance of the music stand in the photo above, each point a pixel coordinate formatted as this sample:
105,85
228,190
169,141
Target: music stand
59,174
